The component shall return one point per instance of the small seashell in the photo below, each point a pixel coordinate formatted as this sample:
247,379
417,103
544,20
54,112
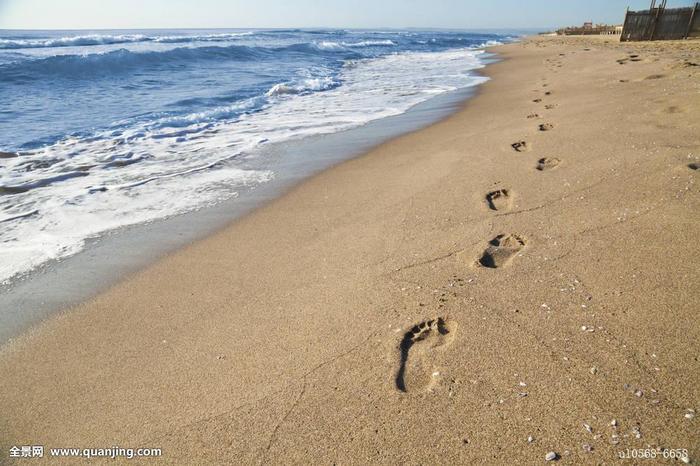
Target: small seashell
613,423
551,456
593,370
587,448
530,439
588,428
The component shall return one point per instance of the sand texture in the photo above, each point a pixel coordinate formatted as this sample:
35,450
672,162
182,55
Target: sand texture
526,268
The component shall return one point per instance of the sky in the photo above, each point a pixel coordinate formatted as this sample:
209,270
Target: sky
458,14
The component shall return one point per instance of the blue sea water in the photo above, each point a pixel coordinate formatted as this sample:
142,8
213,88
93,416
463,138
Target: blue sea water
103,129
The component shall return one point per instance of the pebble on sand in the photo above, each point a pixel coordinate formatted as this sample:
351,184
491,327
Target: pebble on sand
551,456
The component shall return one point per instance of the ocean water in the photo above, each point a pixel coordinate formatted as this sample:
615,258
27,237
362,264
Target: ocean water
105,129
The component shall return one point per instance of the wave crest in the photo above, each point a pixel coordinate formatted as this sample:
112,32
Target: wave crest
105,39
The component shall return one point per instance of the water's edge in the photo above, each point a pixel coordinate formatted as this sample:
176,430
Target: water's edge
61,284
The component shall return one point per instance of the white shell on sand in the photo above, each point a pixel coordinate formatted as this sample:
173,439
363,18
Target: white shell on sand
551,456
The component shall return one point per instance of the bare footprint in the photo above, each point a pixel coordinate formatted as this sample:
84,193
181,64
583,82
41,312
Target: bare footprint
549,106
547,163
520,146
501,250
533,115
694,166
416,372
499,200
537,101
655,76
546,126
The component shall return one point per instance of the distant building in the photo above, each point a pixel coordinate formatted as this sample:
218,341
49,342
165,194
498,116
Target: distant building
589,28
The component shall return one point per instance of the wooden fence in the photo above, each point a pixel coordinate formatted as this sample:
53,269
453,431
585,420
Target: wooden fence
662,23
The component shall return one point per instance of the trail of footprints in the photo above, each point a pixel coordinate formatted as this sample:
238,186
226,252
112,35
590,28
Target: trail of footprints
416,370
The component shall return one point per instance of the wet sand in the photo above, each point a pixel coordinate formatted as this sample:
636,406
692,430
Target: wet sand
518,279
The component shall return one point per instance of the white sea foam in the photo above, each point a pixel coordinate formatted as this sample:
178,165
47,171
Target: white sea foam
165,167
308,85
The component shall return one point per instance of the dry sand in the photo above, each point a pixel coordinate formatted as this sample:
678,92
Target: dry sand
386,311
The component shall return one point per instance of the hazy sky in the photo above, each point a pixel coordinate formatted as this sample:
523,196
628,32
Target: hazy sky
94,14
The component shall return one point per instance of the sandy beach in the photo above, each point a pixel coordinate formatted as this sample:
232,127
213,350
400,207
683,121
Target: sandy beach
518,279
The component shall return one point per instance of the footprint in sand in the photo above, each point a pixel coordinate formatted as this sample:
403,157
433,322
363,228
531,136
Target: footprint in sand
549,106
520,146
694,166
501,250
416,370
537,101
546,127
533,115
499,200
547,163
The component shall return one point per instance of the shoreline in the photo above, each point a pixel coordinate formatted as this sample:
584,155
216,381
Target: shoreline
349,320
60,284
